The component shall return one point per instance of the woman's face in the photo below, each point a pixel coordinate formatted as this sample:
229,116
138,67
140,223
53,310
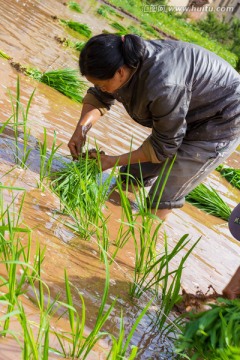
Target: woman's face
110,85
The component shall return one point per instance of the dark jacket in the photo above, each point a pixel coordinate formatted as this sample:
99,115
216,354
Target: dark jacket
180,90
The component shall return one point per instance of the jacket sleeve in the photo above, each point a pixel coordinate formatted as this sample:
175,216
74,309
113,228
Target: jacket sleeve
168,112
99,99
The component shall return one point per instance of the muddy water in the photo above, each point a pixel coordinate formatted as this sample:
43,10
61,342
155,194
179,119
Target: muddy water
29,39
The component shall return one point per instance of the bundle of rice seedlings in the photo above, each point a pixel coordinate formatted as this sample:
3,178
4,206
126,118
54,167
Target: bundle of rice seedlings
101,11
82,29
133,30
76,183
232,175
106,10
212,334
4,55
208,200
121,29
79,45
66,81
74,6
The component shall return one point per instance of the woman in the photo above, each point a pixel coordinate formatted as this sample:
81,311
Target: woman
189,96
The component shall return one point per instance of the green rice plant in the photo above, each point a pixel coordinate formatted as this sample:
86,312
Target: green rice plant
151,272
119,348
21,156
76,182
35,347
102,11
36,344
4,55
121,29
170,287
66,81
212,334
79,344
5,124
106,10
83,192
74,6
14,256
145,247
46,158
232,175
133,30
208,200
79,45
82,29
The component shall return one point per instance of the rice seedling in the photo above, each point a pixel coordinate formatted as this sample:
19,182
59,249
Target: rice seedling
79,45
74,6
119,349
121,29
82,29
151,272
83,192
232,175
101,11
5,124
79,344
212,334
66,81
170,288
13,254
208,200
106,10
133,30
76,182
4,55
35,346
21,156
146,245
46,158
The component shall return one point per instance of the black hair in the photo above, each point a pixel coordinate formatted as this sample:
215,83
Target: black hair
104,54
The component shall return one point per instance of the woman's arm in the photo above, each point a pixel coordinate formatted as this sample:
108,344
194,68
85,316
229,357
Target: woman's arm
132,157
95,104
89,117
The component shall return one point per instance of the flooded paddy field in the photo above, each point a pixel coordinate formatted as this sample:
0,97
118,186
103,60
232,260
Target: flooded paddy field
28,31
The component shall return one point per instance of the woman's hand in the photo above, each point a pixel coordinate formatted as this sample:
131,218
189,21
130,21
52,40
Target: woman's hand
133,157
107,162
78,140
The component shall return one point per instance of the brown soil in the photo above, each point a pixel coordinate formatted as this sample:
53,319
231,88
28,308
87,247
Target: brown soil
17,66
54,17
197,301
60,40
